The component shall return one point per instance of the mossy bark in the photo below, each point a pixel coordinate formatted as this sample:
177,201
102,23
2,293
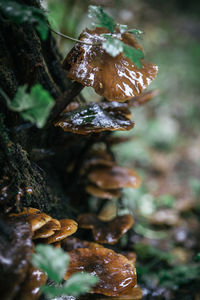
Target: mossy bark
32,161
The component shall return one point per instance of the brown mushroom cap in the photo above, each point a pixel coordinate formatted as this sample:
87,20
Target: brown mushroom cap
68,227
114,177
116,78
134,293
34,217
73,243
30,288
143,98
96,117
101,193
16,249
106,232
116,274
47,230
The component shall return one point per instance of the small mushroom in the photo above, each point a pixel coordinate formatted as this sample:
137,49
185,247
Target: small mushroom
101,193
30,288
68,227
108,232
73,243
143,98
34,217
47,230
115,273
114,177
115,78
16,249
96,117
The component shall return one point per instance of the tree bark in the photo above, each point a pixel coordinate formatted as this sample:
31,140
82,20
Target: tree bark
33,161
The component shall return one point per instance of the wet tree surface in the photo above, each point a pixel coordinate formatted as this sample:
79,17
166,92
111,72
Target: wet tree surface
52,169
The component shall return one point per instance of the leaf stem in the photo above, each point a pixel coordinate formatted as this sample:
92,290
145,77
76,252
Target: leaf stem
74,40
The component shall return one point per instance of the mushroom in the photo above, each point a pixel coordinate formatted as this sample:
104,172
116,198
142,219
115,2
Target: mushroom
115,273
47,230
34,217
115,78
102,193
134,293
143,98
108,232
16,249
30,288
68,227
73,243
96,117
114,177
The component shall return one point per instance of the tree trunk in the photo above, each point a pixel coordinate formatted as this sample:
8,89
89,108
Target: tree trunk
32,161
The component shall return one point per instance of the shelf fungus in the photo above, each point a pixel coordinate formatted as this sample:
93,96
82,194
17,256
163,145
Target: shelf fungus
115,78
106,232
47,230
116,274
96,117
114,177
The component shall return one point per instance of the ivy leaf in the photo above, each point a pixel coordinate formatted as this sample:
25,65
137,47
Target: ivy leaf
53,261
104,20
133,54
122,28
112,46
19,13
34,107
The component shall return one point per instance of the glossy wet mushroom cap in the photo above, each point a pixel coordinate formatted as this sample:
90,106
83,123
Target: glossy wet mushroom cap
115,273
115,78
72,243
108,232
47,230
96,117
68,227
101,193
34,217
114,177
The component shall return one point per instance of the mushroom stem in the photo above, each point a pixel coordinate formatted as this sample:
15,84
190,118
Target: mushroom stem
73,39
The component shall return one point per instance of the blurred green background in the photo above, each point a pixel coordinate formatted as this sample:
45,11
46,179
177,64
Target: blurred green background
164,145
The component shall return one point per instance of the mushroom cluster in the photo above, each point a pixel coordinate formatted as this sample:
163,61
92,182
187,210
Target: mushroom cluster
116,272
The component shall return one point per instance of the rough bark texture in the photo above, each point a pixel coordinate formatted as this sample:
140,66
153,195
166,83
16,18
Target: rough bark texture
33,161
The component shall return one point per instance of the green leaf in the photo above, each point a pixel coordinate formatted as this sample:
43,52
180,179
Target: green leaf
34,107
133,54
19,13
136,32
122,28
76,285
103,19
112,46
53,261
